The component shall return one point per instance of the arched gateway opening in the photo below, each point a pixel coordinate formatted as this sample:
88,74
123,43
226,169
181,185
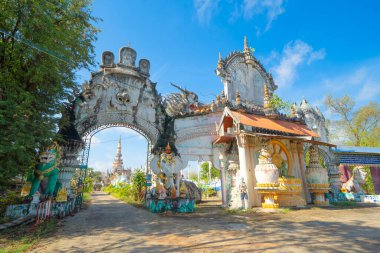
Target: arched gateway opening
88,140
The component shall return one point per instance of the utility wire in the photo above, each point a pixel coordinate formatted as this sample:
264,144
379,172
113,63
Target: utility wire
129,137
41,49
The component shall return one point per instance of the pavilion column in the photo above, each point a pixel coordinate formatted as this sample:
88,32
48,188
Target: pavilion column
247,165
223,165
220,161
177,181
302,165
297,170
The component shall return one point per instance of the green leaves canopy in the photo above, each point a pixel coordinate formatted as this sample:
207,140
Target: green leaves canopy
42,44
359,127
214,172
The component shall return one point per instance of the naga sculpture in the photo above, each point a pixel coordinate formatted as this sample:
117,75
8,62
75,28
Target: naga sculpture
354,184
47,167
178,104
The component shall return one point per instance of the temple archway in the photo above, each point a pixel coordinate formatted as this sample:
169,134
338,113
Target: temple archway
118,95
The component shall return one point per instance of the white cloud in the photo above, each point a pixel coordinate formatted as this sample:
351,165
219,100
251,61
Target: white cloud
361,82
101,165
205,9
156,75
270,8
295,54
248,9
317,55
370,90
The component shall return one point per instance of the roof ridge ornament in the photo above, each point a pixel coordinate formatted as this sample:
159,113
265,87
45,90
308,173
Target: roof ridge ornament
220,61
238,99
247,52
269,111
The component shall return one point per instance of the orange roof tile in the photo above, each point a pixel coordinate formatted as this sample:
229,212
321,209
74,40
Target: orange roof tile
273,124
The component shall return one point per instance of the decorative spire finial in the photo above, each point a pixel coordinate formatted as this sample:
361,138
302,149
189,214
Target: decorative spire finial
268,108
238,99
247,52
217,100
266,92
245,43
220,61
293,109
223,97
168,149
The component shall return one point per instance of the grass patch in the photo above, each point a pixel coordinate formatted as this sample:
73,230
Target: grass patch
344,204
284,210
22,238
127,199
86,197
238,211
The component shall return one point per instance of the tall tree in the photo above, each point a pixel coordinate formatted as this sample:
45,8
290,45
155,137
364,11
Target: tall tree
359,127
208,173
42,45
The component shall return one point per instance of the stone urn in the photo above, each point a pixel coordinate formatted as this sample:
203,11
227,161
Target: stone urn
317,178
266,172
315,173
267,176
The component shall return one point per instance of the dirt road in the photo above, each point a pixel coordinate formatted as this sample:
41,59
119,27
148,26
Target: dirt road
110,225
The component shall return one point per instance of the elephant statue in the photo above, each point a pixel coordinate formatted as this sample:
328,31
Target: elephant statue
167,163
47,168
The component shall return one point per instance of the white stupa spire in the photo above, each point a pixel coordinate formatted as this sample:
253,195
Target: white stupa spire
118,162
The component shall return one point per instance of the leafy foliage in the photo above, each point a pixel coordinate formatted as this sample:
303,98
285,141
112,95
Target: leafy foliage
91,179
42,44
205,172
193,176
138,183
10,198
279,104
354,127
130,193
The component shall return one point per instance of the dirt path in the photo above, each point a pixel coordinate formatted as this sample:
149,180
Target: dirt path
110,225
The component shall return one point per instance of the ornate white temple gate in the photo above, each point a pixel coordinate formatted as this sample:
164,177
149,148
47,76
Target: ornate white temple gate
239,131
266,159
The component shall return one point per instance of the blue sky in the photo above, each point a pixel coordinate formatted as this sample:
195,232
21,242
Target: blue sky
312,48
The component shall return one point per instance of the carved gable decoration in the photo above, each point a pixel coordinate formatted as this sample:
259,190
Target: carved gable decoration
246,79
127,56
241,72
120,94
144,66
108,59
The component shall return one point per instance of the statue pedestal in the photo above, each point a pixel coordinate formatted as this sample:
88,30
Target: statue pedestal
318,194
269,196
180,205
36,198
290,193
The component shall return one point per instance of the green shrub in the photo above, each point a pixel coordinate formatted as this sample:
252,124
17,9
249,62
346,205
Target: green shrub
10,198
86,197
130,193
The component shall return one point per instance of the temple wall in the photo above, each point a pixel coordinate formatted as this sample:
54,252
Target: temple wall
195,136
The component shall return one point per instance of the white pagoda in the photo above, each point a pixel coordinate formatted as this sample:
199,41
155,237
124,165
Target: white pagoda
119,174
